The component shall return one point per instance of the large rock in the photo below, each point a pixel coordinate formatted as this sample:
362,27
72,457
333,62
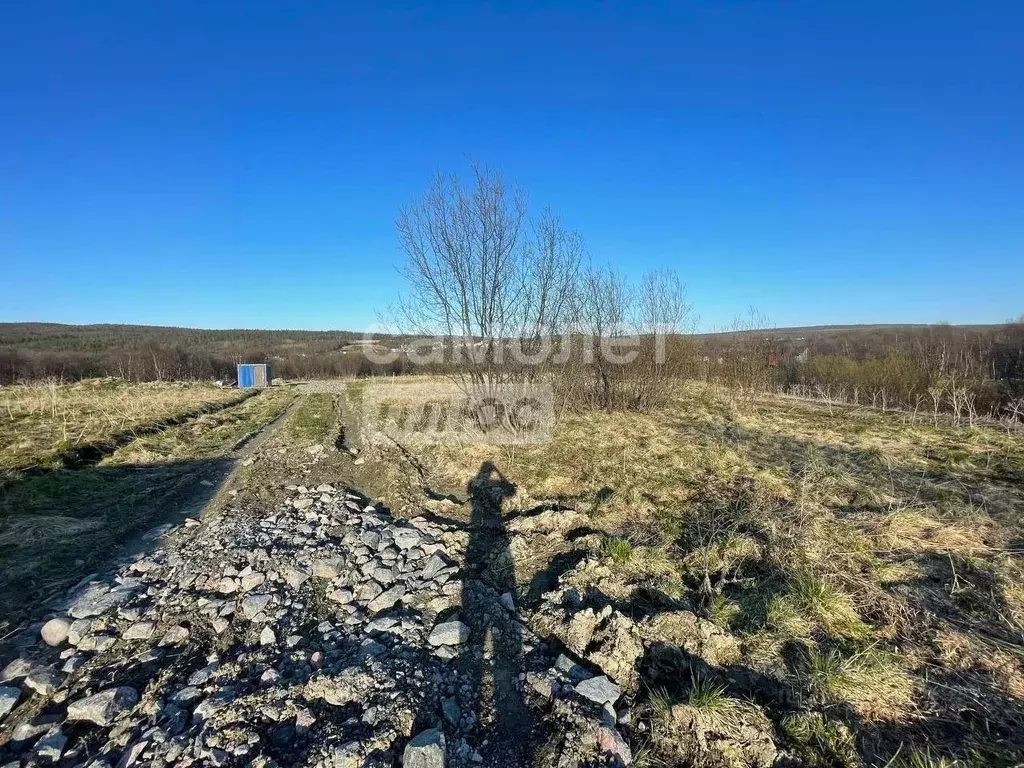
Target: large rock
406,538
55,631
96,599
296,576
51,746
140,630
434,565
44,681
104,707
599,690
449,633
386,599
79,629
611,741
253,605
425,750
329,567
8,698
18,669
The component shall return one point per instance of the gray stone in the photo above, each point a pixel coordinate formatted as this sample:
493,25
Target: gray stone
253,580
18,669
450,708
79,629
227,586
382,624
73,663
175,635
97,642
140,630
571,669
599,690
611,741
296,576
8,698
434,565
342,596
44,681
267,636
406,538
104,707
328,567
425,750
370,590
187,695
202,676
55,631
254,604
386,599
449,633
97,599
51,746
26,733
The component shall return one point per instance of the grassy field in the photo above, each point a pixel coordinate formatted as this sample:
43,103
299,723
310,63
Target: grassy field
58,524
41,423
857,580
867,571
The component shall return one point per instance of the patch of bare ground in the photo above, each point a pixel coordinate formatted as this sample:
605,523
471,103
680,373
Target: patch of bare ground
768,579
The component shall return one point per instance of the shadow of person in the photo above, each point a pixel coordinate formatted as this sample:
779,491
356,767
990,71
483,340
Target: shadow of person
494,651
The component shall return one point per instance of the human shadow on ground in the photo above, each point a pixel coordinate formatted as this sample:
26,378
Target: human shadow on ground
494,652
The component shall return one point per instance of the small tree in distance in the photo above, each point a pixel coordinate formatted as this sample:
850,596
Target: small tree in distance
486,277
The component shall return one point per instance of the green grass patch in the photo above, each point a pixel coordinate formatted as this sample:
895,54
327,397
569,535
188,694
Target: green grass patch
313,420
618,550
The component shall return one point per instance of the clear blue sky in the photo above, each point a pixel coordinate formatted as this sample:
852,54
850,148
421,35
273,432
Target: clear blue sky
240,164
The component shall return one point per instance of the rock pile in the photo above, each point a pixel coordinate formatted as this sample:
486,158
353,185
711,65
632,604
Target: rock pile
323,632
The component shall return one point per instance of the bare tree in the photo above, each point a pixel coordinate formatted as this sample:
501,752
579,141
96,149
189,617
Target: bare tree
485,278
602,309
661,318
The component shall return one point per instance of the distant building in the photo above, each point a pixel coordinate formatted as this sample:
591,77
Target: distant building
252,375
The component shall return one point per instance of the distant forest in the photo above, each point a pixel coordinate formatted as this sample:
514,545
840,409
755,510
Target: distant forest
30,351
883,365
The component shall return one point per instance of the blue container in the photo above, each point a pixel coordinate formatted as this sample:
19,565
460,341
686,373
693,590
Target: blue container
252,375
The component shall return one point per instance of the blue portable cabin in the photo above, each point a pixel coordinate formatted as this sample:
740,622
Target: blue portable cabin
252,375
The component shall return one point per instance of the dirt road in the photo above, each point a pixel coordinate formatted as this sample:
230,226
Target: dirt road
297,622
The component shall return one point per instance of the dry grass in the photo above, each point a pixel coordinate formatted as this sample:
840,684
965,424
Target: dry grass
852,533
209,435
40,422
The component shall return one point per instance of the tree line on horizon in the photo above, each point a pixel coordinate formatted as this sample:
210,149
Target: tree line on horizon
893,366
